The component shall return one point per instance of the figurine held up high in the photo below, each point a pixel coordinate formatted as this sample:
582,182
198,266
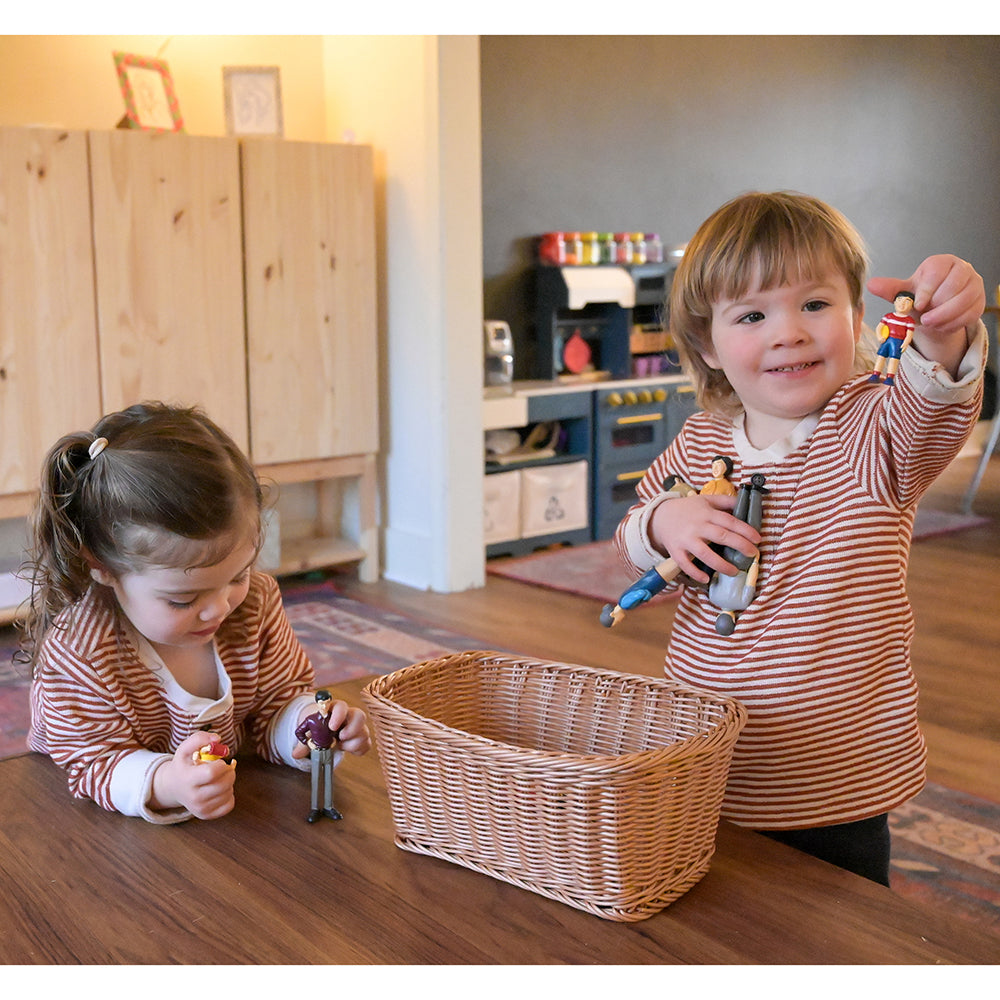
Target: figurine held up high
896,331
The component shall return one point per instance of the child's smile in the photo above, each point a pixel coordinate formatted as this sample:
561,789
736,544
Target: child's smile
785,350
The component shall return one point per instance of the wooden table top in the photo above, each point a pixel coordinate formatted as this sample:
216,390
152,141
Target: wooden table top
262,886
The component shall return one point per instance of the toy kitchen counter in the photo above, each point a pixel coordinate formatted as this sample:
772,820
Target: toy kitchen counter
563,457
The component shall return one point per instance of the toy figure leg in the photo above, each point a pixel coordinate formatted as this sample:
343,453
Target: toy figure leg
328,808
322,761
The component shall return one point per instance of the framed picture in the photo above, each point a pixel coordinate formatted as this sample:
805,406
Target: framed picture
148,89
253,100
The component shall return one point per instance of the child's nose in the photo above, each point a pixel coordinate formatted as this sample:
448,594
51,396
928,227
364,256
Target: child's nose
217,606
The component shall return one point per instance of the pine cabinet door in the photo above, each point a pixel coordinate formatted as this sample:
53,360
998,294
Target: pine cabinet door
168,254
309,236
49,384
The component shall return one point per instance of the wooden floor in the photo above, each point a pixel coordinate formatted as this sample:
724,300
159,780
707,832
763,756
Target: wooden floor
954,584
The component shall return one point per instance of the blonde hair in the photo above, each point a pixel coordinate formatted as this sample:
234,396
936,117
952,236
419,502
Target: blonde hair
773,239
151,485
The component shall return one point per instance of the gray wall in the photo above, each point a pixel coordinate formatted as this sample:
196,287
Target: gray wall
653,133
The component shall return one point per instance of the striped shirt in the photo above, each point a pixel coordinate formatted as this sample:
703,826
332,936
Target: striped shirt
108,712
821,658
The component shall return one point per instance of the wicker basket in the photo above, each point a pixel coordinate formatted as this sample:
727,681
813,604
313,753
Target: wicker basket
598,789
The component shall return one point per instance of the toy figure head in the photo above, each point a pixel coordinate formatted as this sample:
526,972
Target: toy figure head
756,241
324,702
903,302
722,465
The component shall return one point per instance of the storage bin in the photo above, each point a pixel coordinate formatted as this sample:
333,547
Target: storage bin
554,498
501,506
598,789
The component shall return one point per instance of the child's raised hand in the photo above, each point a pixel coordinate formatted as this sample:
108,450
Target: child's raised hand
204,788
685,527
354,736
949,293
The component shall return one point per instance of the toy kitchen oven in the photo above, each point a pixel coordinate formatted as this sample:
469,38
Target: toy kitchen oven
604,325
633,422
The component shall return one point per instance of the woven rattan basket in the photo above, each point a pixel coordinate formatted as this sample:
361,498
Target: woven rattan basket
595,788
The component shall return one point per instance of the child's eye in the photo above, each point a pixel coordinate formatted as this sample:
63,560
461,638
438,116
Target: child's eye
815,305
180,604
751,317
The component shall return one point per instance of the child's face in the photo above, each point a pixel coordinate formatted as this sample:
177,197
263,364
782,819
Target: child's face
182,607
785,350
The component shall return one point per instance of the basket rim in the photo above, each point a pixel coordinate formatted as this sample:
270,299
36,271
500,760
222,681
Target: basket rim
730,725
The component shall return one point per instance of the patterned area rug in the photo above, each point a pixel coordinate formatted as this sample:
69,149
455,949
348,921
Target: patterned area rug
946,844
595,571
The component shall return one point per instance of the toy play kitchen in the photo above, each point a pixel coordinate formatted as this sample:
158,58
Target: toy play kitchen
607,387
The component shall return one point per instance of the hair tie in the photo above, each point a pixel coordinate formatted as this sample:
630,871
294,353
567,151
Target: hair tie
96,447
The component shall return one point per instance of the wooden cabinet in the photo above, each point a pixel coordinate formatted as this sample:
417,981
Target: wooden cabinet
49,382
167,251
238,275
310,289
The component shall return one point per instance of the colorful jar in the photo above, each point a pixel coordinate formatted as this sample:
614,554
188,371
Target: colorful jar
552,249
591,249
623,248
574,248
638,248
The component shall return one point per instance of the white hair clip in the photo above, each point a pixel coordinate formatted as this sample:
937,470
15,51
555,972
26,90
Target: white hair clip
96,447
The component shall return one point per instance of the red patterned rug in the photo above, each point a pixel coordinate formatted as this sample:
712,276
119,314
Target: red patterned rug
946,844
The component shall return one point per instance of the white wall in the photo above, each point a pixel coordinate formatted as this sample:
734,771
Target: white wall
415,99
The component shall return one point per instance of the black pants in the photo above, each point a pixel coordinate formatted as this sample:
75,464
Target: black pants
862,847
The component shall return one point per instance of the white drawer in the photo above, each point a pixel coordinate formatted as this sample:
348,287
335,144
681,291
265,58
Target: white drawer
554,499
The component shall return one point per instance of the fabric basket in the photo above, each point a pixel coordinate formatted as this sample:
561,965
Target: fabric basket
598,789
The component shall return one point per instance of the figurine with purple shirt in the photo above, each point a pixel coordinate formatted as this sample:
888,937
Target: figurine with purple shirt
315,733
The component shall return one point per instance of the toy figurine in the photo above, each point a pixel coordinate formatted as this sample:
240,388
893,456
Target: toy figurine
215,750
653,580
734,593
896,331
729,593
314,732
722,468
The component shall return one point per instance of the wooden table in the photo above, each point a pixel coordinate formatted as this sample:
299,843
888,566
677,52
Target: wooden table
263,886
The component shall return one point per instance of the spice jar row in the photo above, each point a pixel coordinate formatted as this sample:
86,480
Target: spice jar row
568,249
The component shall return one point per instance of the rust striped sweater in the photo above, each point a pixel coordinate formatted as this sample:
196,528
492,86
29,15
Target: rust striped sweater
107,711
821,658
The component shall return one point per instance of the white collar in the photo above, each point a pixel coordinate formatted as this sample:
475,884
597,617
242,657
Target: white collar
780,449
200,708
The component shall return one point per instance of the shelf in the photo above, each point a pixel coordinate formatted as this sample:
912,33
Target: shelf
342,535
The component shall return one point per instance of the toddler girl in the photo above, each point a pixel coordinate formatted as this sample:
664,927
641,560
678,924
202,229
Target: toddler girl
766,308
150,633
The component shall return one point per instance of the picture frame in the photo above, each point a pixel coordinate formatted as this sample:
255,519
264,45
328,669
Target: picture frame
253,100
148,89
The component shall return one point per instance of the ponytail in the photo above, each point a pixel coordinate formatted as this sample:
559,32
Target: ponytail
153,484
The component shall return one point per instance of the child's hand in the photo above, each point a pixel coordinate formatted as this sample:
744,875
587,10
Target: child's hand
350,724
205,788
684,527
949,293
353,736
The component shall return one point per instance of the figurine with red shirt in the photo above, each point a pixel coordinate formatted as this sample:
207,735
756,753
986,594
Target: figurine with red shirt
896,330
316,734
